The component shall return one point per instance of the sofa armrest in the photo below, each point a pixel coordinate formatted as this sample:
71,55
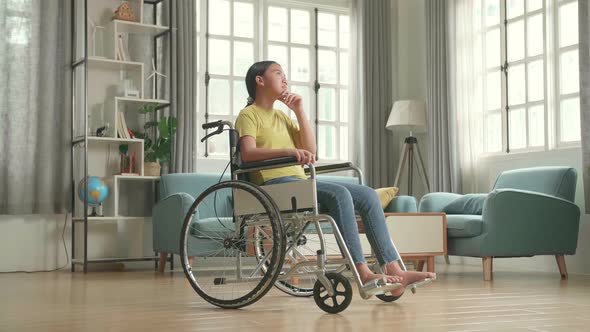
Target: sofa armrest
436,202
167,219
402,204
520,222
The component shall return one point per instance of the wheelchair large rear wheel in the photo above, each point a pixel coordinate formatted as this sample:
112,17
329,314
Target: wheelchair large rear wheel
216,247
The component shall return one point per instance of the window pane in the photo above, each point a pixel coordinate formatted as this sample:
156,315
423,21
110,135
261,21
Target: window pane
536,81
343,68
327,142
537,126
516,40
535,35
517,128
514,8
19,30
568,24
343,105
240,96
327,66
243,57
277,24
494,91
344,31
243,19
569,72
492,12
533,5
219,56
303,91
300,64
219,144
219,17
327,104
516,85
299,26
493,48
279,54
326,29
493,128
569,121
344,143
219,93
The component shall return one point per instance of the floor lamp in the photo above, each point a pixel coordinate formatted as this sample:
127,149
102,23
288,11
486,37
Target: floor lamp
409,114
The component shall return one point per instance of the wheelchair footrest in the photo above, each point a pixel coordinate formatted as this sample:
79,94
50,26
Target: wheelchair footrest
420,283
379,286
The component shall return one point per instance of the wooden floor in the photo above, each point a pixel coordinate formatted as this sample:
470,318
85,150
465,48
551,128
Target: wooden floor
146,301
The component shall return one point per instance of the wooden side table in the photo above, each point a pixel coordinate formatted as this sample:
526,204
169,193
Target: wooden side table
418,236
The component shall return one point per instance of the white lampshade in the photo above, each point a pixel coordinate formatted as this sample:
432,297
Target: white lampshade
407,113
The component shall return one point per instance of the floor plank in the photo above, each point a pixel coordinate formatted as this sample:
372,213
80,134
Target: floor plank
147,301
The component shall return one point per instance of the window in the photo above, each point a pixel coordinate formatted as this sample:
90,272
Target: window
287,36
18,22
522,77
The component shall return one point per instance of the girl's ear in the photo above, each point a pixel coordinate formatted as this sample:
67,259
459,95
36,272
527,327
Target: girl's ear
259,80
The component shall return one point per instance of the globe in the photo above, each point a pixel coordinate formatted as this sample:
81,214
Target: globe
93,187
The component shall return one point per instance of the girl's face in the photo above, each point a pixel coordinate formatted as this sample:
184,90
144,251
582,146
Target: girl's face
274,80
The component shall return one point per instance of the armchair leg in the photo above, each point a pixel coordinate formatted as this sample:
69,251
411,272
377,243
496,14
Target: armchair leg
487,268
162,263
561,264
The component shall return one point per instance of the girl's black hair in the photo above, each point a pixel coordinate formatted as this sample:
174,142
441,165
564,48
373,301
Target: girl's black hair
257,69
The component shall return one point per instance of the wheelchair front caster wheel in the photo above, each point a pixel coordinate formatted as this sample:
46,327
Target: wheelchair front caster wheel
388,298
342,294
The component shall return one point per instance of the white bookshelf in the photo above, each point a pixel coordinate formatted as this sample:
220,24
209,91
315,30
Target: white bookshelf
98,97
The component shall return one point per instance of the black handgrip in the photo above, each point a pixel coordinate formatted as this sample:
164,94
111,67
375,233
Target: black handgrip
212,124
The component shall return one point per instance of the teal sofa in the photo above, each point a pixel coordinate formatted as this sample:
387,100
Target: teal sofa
177,192
529,212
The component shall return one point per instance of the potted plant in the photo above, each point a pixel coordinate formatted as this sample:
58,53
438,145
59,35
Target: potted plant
157,136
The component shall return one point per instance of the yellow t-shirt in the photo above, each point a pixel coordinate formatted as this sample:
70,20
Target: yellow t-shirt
272,129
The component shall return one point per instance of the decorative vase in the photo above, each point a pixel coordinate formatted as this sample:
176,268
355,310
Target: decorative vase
151,168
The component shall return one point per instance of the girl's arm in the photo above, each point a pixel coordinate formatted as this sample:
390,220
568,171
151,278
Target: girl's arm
306,139
249,152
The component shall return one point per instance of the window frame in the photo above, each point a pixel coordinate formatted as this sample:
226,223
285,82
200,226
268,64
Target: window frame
551,71
261,43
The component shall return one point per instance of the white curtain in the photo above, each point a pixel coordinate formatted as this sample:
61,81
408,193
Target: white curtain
466,86
357,139
35,107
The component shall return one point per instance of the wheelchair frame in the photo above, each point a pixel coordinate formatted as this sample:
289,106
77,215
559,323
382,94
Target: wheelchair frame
327,280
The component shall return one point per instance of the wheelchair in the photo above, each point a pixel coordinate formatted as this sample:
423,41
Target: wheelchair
239,240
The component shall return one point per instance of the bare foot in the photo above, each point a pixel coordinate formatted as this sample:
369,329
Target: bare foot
367,275
409,277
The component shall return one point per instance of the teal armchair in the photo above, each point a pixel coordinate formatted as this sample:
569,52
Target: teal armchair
177,192
529,212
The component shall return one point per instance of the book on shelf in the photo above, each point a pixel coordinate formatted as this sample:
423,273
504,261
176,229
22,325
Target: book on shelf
124,130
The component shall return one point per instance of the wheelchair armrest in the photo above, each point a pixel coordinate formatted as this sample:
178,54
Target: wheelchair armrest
266,164
331,168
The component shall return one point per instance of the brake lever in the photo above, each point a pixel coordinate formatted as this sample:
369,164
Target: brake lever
217,131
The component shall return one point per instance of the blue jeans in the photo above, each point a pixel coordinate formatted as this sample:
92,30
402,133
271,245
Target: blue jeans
341,200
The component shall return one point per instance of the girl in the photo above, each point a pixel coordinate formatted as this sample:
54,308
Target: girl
267,133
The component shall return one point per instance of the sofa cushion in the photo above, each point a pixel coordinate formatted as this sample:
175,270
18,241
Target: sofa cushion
464,225
212,226
466,204
386,195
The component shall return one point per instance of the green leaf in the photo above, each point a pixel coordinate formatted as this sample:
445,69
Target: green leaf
163,127
150,124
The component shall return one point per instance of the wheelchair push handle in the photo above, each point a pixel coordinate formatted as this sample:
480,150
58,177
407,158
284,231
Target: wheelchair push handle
219,124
